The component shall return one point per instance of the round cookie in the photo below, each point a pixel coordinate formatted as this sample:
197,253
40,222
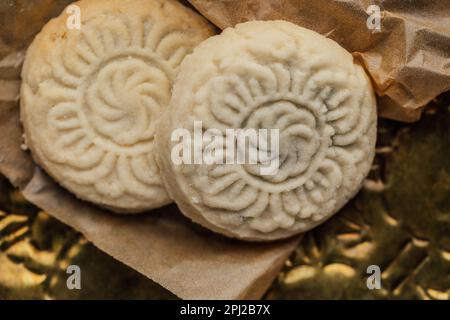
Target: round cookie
271,75
91,96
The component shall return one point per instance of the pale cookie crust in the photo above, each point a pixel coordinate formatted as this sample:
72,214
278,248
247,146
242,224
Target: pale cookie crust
90,98
271,74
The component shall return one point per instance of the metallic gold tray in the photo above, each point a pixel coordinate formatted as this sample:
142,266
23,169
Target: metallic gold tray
399,221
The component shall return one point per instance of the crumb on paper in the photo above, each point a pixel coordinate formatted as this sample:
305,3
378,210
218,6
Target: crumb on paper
24,145
195,200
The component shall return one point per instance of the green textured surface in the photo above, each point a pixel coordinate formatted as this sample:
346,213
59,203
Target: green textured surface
400,221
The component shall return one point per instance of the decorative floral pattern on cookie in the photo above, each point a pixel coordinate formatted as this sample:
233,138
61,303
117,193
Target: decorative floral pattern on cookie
272,75
91,97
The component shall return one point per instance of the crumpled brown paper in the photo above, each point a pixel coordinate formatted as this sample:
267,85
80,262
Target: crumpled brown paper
163,245
408,60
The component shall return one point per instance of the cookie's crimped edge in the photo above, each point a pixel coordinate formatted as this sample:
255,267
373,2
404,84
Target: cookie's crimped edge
56,29
182,197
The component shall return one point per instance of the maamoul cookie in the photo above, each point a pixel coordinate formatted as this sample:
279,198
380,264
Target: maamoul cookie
271,75
90,97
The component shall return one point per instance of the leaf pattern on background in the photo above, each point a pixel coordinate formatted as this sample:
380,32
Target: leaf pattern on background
383,225
400,221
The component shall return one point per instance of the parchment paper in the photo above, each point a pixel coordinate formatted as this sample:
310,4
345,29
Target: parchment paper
162,245
408,60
